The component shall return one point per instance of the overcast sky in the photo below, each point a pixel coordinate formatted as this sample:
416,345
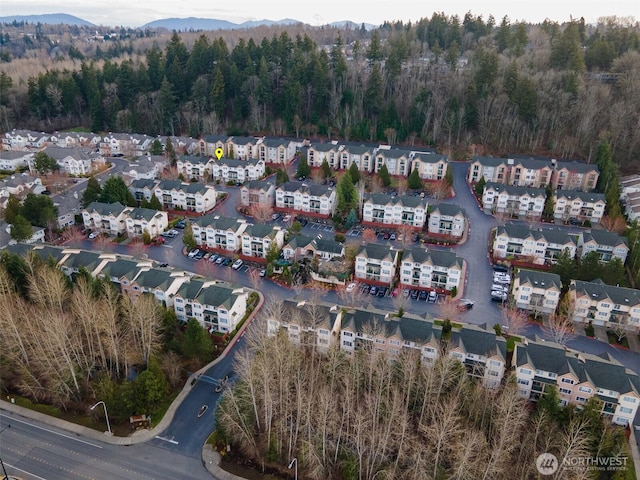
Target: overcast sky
135,13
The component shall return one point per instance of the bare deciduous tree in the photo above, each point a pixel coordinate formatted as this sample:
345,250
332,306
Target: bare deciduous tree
558,328
261,212
514,320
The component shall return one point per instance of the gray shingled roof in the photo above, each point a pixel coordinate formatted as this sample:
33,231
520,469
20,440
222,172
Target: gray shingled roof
298,241
154,278
490,161
195,160
313,190
121,268
602,237
106,209
473,339
143,183
378,252
258,185
324,147
579,167
440,258
244,140
539,279
142,213
215,138
516,190
260,230
235,163
598,290
448,209
88,260
430,157
218,223
327,245
216,296
584,196
404,200
551,235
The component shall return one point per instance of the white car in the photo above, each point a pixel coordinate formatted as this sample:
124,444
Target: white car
351,287
237,264
193,253
286,218
93,235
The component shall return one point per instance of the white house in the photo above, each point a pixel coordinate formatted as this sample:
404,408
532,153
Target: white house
296,196
76,160
383,209
430,166
447,219
536,245
609,245
221,233
376,264
515,201
430,269
194,167
237,171
536,291
257,239
107,218
176,195
12,160
579,205
276,150
605,304
140,220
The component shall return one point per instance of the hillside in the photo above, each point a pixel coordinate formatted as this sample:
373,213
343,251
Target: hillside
48,19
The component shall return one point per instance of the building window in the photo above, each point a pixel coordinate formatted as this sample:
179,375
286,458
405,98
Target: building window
567,380
629,399
524,371
564,391
626,410
522,381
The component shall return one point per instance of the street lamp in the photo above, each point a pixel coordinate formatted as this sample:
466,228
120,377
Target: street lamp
294,462
6,477
105,414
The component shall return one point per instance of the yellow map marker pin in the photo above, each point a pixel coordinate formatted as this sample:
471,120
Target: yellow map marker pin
219,152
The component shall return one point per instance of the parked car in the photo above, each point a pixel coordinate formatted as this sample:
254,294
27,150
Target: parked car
199,255
286,218
263,272
500,268
433,296
227,262
499,287
237,264
574,221
502,280
350,288
93,235
422,295
193,253
374,290
414,293
45,192
181,225
466,304
365,288
213,257
405,293
382,291
386,236
499,296
392,236
220,260
275,216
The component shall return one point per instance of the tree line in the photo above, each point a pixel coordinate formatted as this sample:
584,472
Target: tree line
365,417
441,81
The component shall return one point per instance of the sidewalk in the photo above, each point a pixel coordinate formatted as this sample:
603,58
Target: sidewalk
212,458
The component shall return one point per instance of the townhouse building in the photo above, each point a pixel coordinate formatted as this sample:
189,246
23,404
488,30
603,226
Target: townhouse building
630,196
177,195
383,209
74,140
220,233
258,192
159,282
20,185
276,150
536,291
210,143
605,305
608,245
216,306
376,264
577,378
124,144
13,160
361,154
583,206
141,220
534,172
398,160
430,166
242,148
237,171
24,140
197,167
430,269
144,169
106,218
297,247
447,219
121,271
37,234
143,189
321,151
75,260
257,239
513,201
295,196
540,246
74,160
182,145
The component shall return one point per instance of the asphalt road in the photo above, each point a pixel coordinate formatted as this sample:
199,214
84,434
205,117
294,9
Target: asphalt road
35,451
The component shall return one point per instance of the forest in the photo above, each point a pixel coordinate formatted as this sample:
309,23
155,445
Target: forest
466,86
364,417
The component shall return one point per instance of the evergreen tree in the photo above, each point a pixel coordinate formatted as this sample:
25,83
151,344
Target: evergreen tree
303,170
154,203
12,209
352,219
156,147
20,229
218,96
355,173
281,176
196,343
188,240
566,268
415,182
383,174
39,210
549,204
478,189
92,192
115,190
374,53
167,107
44,164
326,169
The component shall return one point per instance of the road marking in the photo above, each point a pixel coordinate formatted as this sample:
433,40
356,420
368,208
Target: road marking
24,471
170,440
13,419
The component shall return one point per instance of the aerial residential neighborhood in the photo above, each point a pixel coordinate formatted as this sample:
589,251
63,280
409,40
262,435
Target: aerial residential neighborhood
294,249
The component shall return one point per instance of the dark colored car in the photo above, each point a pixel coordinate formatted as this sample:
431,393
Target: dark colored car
500,268
382,291
45,192
181,225
414,294
374,290
574,221
365,288
227,262
423,295
200,255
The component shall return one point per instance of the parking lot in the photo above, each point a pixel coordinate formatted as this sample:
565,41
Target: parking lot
320,227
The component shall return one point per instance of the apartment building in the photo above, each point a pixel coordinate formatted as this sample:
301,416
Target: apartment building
258,192
13,160
431,269
430,166
221,233
388,210
605,305
177,195
583,206
447,219
257,239
540,246
608,245
210,143
141,220
276,150
536,291
300,197
242,148
237,171
321,151
106,218
359,153
513,201
376,264
197,167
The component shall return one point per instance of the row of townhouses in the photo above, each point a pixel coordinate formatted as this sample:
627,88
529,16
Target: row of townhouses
217,306
223,169
176,195
542,246
418,267
534,173
535,364
116,219
71,160
528,202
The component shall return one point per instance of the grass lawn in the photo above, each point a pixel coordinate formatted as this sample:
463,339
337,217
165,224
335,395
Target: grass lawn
453,324
613,339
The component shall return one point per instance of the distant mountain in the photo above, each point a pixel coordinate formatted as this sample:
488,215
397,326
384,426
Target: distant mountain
352,25
192,23
48,19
